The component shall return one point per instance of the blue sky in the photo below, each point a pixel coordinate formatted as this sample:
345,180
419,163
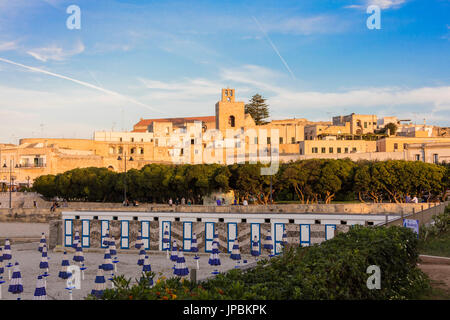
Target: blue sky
133,59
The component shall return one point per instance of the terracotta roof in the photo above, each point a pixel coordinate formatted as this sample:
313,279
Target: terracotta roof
147,122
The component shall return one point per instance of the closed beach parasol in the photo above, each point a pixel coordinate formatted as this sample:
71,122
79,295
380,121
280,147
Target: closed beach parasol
42,242
76,240
44,264
268,245
174,255
107,261
214,259
194,245
147,268
166,241
139,243
112,247
99,284
106,239
16,287
7,256
79,256
63,274
255,247
40,293
2,270
235,252
181,269
141,257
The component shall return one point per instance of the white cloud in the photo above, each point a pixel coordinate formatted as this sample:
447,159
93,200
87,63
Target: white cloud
383,4
8,46
386,4
55,52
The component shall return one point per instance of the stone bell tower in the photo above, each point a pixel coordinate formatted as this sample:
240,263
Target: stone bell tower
230,114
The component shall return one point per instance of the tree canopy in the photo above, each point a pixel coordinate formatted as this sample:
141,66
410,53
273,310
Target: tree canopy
306,181
258,109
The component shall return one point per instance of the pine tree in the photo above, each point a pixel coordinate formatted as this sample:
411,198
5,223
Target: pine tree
258,109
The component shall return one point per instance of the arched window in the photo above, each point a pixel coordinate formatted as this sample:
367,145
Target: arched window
231,121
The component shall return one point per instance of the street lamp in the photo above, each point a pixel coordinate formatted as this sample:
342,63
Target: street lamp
124,177
10,180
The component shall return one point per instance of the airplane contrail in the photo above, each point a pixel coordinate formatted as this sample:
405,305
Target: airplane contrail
86,84
274,48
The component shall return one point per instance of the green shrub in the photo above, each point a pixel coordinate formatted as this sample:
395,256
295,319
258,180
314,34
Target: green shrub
336,269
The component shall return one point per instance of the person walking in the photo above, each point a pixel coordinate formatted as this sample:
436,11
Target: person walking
170,202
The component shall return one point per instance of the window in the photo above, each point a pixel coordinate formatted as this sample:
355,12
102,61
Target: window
417,157
142,150
192,141
301,151
338,150
133,150
132,139
256,140
120,139
353,149
435,158
181,152
395,146
231,121
281,140
293,140
330,150
346,150
365,125
268,140
323,150
315,150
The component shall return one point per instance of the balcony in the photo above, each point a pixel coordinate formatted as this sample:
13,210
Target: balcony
32,165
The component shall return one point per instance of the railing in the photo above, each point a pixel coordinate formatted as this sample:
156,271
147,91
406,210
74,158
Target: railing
424,216
32,165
